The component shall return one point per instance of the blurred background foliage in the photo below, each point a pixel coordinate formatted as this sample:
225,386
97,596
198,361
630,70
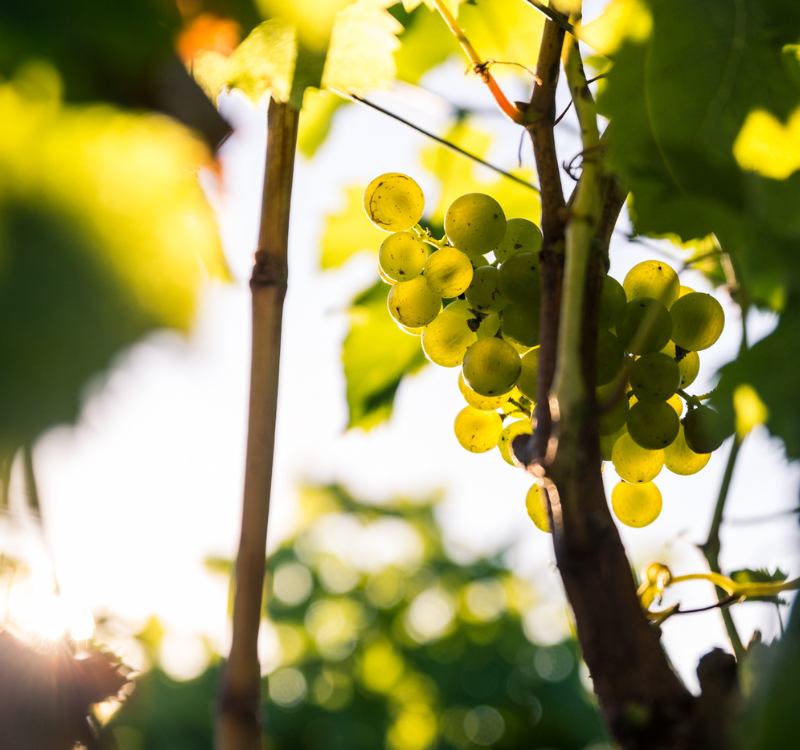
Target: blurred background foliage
384,640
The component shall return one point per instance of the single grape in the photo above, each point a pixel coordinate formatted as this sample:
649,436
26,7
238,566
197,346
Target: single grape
488,326
636,505
610,356
646,326
484,292
448,272
679,458
476,430
653,279
634,463
521,323
475,223
536,505
529,374
491,366
402,256
446,339
519,278
611,417
394,202
511,431
688,364
522,236
612,302
655,377
485,403
413,303
697,321
704,429
653,424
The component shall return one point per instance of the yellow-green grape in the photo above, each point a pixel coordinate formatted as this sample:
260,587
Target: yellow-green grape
409,330
485,403
697,321
484,292
491,366
612,302
653,424
475,223
536,505
634,463
688,364
529,374
446,339
519,278
636,505
610,356
385,278
402,257
611,417
521,323
413,303
654,279
704,429
607,443
684,291
651,318
676,402
449,272
476,430
510,431
522,236
518,405
679,458
655,377
394,202
489,326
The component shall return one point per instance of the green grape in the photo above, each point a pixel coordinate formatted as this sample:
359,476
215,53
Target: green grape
634,463
679,458
688,364
449,272
529,374
519,278
684,291
653,279
697,321
653,424
476,430
521,323
607,443
447,338
475,223
489,326
614,416
413,303
385,278
536,505
612,302
636,505
485,403
511,431
394,202
402,256
704,429
610,356
522,236
655,377
646,315
491,366
484,292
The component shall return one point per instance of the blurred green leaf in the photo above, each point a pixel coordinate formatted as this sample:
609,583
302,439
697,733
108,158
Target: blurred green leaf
348,231
319,108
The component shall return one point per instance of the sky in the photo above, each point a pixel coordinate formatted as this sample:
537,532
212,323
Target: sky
148,483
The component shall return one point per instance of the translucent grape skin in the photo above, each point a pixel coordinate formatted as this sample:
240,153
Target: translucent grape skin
475,223
522,236
446,339
610,356
653,279
536,505
521,323
491,366
655,377
679,458
484,292
476,430
519,278
511,431
612,302
448,272
634,463
653,424
697,321
613,417
413,303
636,505
651,317
402,256
394,202
704,429
485,403
529,374
688,364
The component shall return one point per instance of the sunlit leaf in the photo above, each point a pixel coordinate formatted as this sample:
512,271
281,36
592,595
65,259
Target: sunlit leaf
621,20
767,146
348,231
319,108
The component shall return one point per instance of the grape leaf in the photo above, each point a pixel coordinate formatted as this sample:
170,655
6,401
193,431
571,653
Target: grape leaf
376,355
348,231
319,108
760,575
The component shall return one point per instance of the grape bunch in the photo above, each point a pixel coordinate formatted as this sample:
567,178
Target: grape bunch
473,299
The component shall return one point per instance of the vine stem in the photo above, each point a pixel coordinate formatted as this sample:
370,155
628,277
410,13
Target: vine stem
238,718
479,65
